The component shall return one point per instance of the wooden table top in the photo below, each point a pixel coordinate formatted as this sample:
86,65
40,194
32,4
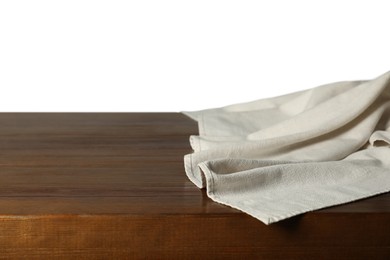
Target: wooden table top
112,185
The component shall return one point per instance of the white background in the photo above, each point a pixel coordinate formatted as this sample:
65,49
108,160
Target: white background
182,55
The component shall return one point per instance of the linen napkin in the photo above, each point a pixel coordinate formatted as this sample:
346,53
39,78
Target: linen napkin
279,157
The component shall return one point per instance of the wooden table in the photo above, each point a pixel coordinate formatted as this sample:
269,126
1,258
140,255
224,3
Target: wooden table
112,186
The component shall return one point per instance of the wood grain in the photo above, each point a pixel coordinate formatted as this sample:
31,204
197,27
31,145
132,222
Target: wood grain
112,186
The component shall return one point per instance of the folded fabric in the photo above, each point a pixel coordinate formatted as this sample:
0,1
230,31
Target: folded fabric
279,157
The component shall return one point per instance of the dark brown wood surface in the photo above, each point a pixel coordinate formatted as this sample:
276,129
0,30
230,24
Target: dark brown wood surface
112,186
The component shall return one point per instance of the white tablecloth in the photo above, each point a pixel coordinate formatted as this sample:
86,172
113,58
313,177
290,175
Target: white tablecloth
278,157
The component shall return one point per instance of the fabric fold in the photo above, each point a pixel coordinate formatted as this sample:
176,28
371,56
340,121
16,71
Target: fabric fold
278,157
